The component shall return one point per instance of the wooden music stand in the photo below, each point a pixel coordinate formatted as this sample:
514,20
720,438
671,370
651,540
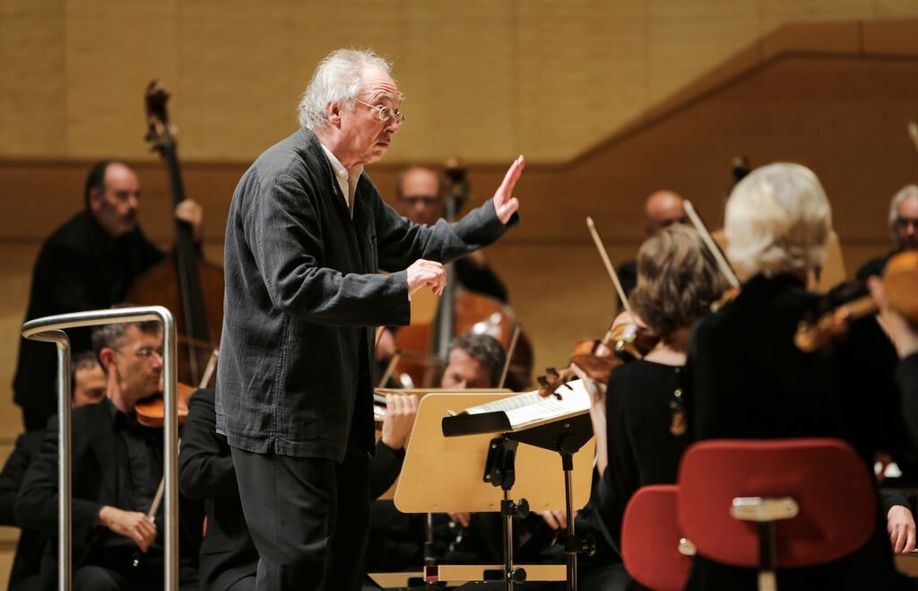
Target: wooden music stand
421,393
443,474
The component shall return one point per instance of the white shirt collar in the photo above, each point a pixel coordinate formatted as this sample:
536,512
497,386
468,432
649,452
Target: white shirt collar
347,179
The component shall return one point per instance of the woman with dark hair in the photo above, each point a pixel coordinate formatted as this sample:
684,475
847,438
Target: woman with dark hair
640,426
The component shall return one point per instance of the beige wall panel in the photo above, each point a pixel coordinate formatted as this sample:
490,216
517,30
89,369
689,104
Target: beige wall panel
113,49
891,37
238,90
774,13
688,38
458,69
16,262
842,37
33,83
895,8
484,79
582,69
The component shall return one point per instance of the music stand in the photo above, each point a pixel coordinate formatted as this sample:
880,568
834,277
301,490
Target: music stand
443,474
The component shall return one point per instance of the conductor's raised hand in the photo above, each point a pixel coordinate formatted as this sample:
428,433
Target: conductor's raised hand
505,204
423,273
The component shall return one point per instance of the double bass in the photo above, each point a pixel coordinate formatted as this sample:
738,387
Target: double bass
423,349
189,286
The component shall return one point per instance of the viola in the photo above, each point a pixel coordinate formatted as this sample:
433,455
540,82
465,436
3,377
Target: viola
900,282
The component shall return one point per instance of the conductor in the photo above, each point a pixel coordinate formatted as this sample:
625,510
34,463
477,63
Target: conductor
306,233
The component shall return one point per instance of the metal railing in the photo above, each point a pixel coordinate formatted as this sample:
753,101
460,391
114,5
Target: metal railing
51,329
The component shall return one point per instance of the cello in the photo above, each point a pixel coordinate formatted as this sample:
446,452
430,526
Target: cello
190,287
424,348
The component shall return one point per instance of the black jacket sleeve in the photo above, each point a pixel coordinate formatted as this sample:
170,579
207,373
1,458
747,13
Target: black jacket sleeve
385,467
13,474
205,464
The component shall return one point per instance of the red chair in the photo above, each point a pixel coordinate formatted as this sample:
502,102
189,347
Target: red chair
650,539
771,504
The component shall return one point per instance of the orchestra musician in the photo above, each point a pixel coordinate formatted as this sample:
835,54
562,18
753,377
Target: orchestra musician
397,539
903,224
640,422
87,264
904,335
419,197
306,233
117,468
661,209
745,378
87,387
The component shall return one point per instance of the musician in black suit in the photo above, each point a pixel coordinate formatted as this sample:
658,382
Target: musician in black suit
87,387
88,263
745,377
117,467
904,335
228,556
903,225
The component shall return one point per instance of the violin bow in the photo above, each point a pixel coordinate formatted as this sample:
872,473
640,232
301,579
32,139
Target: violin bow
609,268
513,339
708,240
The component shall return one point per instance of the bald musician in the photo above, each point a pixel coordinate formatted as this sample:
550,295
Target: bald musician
662,209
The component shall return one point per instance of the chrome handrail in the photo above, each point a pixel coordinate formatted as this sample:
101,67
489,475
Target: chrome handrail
50,329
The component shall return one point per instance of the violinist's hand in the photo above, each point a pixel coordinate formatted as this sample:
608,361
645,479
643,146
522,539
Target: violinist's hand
135,526
190,211
898,329
400,413
900,523
423,273
505,204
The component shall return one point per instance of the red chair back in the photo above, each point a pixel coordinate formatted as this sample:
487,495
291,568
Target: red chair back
650,539
826,478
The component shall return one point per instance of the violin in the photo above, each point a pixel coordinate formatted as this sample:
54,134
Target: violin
626,339
900,282
151,410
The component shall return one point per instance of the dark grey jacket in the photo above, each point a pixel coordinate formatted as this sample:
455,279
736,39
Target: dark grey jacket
303,295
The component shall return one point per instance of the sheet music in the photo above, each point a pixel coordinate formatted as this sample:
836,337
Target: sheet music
530,407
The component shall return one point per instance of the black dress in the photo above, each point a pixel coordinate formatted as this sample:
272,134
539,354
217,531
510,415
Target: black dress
747,379
641,448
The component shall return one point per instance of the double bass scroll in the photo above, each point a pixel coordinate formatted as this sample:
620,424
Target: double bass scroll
190,287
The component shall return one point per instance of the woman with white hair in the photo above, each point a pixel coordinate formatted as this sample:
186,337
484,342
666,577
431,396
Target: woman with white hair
747,379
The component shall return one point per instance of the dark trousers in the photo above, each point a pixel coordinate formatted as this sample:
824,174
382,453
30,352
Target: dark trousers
308,518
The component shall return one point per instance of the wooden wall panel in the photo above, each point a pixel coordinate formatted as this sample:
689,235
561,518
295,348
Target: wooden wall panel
487,79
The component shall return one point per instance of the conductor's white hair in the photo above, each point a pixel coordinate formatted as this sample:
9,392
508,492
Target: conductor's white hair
778,220
337,78
904,193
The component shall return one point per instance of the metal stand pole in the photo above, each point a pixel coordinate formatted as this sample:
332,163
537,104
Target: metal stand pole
50,329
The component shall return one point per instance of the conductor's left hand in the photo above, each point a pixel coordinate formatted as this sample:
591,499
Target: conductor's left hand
505,204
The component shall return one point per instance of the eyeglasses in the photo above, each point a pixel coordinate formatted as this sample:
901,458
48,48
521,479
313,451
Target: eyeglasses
385,113
415,200
146,352
904,223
